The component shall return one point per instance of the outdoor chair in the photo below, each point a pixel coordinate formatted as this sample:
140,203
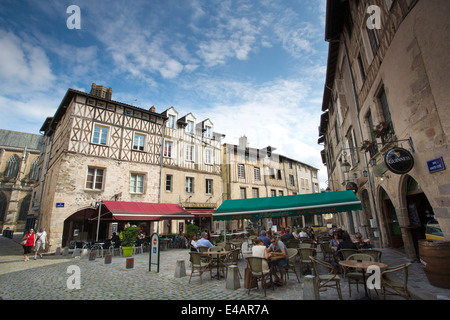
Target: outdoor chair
292,255
376,254
304,254
307,240
326,251
231,259
198,264
306,245
330,280
256,268
138,249
214,258
397,286
292,244
356,275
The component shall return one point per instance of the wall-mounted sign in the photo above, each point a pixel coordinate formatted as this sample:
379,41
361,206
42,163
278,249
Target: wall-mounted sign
60,204
436,165
399,160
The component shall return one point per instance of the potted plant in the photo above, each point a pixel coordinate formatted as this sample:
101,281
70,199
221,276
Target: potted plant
129,239
190,229
379,129
366,144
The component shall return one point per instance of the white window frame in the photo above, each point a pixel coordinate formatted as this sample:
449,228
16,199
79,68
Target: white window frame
189,153
190,126
94,178
171,121
241,171
170,185
209,185
167,152
257,173
137,181
190,182
141,140
208,156
208,132
98,140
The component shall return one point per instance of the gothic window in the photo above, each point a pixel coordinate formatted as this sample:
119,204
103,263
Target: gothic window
34,171
12,168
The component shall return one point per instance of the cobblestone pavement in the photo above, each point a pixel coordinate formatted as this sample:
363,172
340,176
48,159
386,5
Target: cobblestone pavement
47,278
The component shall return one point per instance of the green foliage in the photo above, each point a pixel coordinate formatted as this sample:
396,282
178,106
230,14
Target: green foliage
129,236
190,229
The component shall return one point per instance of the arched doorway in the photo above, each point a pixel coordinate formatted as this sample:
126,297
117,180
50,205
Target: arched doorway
419,210
391,221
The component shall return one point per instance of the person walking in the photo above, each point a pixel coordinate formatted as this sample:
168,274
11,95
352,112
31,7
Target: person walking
28,242
41,242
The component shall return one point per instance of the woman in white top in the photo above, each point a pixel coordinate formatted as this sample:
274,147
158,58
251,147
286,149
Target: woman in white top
193,242
259,250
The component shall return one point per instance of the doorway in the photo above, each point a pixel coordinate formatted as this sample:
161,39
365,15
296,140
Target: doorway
419,211
390,216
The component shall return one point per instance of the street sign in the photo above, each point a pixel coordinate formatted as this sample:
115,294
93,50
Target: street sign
60,204
436,165
154,252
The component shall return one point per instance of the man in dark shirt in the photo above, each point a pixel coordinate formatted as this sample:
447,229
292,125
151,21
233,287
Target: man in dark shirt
288,235
265,238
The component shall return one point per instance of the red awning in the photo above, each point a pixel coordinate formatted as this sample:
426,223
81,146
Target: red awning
143,211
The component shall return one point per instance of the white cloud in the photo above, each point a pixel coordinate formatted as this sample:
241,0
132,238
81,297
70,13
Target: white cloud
22,66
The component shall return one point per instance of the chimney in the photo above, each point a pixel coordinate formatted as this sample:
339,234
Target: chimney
153,109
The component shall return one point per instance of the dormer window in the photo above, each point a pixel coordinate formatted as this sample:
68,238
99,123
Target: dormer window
171,121
208,132
190,126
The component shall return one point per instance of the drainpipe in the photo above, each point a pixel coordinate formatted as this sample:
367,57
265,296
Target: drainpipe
163,128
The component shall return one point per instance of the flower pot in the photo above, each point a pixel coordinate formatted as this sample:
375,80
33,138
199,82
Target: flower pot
127,251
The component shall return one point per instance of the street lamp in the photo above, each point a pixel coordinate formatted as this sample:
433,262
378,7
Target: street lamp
345,166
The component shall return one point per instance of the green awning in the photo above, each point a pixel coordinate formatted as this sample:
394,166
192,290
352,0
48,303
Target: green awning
288,206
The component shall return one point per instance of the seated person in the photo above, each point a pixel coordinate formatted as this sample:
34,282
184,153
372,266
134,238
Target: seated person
265,239
360,243
259,250
346,243
278,255
287,235
193,242
204,242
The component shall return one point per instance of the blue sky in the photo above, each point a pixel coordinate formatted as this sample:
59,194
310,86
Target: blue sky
254,67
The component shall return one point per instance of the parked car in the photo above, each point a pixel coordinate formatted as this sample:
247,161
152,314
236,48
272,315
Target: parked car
433,231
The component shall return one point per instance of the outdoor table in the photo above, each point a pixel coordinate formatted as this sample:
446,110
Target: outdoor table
363,265
218,254
165,243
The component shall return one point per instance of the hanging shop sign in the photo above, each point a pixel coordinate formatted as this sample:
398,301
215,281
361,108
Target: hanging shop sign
399,160
352,186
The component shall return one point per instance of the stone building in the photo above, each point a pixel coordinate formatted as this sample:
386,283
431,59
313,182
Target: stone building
191,173
95,149
19,170
386,125
256,173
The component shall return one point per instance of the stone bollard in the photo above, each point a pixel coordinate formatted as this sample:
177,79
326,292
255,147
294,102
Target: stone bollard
92,255
108,258
58,251
310,290
66,251
76,253
180,270
233,282
129,263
